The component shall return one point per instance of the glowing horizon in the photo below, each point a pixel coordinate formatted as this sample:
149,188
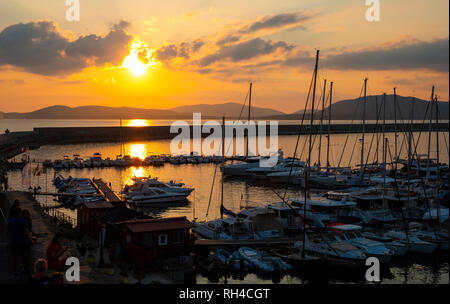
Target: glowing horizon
197,53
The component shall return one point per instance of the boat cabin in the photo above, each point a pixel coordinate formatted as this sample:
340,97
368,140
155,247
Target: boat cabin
345,232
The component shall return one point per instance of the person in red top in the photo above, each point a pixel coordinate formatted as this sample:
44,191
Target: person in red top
55,250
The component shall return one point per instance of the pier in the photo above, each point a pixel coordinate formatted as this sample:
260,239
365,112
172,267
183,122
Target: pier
105,191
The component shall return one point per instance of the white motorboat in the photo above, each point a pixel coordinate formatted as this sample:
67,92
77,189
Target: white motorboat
153,196
370,247
258,259
436,237
398,248
241,169
336,252
285,165
293,176
229,228
143,185
415,244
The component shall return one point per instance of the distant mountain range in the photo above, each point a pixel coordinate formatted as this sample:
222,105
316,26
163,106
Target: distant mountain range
230,110
353,109
341,110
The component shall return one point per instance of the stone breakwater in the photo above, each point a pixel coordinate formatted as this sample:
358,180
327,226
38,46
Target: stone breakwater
14,143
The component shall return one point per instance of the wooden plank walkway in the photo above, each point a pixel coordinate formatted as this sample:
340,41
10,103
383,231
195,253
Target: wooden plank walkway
105,191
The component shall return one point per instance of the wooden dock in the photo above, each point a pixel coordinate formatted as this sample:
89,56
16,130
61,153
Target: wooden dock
240,243
106,191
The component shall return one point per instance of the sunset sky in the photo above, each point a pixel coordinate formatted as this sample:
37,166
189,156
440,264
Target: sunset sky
207,51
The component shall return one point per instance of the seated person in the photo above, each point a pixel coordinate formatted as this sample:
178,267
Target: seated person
39,277
55,250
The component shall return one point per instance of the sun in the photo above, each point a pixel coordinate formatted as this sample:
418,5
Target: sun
139,58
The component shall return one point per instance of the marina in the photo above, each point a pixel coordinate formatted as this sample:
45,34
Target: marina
347,211
224,151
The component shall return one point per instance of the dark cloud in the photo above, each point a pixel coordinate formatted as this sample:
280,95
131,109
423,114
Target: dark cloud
183,49
39,47
122,25
245,50
276,21
415,55
290,20
228,39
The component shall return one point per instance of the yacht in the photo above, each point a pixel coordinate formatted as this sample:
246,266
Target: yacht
143,184
370,247
154,195
248,224
398,248
336,252
415,244
284,166
293,177
241,169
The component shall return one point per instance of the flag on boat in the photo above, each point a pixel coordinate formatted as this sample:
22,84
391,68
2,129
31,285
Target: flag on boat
26,174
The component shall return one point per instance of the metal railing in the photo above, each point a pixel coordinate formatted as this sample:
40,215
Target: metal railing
58,216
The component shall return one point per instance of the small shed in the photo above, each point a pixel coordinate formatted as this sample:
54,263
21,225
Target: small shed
147,240
90,216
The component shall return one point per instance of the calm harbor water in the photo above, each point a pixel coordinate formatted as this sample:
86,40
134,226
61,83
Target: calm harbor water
237,193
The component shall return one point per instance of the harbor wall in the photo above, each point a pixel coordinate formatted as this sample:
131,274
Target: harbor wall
117,134
13,143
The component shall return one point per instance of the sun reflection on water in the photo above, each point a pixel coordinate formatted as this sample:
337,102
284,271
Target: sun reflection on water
138,150
138,123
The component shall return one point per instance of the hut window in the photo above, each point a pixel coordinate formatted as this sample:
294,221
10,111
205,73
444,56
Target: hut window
128,239
178,237
147,240
162,239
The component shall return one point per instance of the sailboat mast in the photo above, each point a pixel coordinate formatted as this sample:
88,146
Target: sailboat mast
438,173
395,125
383,131
248,120
363,129
437,136
385,146
121,138
429,133
308,162
409,149
321,121
378,137
329,127
223,165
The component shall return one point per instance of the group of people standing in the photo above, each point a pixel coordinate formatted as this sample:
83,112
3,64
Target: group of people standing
21,239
